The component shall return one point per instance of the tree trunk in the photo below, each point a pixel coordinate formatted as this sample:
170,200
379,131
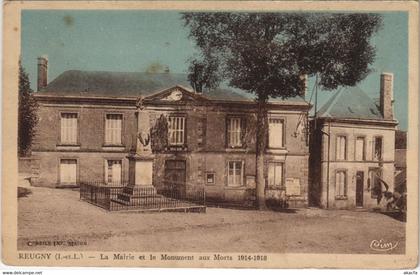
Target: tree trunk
261,143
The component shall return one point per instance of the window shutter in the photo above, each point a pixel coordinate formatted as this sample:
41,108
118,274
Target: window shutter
243,132
68,126
116,172
278,174
227,132
271,174
275,132
341,148
360,148
106,171
113,128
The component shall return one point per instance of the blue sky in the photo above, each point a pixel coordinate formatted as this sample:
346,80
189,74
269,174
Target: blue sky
131,41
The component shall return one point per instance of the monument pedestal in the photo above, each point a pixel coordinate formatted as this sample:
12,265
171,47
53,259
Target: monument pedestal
140,169
140,164
140,187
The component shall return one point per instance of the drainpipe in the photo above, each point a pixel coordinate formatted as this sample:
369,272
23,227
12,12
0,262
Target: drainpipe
328,164
328,161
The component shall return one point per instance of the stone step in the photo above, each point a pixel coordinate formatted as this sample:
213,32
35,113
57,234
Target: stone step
141,201
139,191
128,197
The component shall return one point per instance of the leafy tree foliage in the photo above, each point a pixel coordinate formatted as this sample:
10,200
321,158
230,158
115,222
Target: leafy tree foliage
266,54
159,134
27,118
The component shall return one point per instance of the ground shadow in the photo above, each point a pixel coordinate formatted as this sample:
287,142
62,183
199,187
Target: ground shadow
230,206
283,210
399,216
226,205
23,192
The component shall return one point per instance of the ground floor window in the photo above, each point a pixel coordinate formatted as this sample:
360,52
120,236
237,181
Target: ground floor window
275,174
68,171
235,173
113,171
341,184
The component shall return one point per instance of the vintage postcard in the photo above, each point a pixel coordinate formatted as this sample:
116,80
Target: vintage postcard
210,134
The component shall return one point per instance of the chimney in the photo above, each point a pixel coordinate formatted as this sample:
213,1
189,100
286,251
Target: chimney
42,72
386,100
304,78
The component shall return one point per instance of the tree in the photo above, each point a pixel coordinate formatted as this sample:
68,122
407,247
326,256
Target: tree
266,54
27,117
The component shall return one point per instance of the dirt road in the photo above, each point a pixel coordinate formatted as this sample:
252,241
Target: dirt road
49,215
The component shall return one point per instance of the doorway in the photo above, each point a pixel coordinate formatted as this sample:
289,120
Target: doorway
175,176
359,188
68,172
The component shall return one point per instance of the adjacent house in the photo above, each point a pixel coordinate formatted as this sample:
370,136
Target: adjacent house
352,148
88,127
400,161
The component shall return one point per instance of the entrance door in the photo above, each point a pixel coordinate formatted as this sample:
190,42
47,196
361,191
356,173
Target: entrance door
68,171
359,188
175,176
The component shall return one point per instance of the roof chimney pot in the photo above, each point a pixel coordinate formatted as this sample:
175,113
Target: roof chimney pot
386,100
42,72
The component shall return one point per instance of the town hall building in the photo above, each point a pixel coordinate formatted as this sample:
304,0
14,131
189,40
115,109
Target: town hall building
91,124
153,129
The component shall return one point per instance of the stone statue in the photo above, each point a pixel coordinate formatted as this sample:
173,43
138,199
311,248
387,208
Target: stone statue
143,129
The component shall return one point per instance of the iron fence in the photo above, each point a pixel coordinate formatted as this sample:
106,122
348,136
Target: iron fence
124,197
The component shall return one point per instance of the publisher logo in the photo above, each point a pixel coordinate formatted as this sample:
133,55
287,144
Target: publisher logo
381,245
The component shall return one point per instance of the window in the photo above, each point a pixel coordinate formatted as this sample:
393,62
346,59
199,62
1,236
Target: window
210,179
68,171
234,132
113,171
374,183
341,148
360,148
113,125
176,130
341,184
235,173
377,148
69,128
275,131
275,174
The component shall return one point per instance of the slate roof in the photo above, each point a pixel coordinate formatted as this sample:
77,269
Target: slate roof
350,103
134,84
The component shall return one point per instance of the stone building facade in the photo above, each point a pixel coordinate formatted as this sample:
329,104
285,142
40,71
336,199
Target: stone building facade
352,149
87,129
